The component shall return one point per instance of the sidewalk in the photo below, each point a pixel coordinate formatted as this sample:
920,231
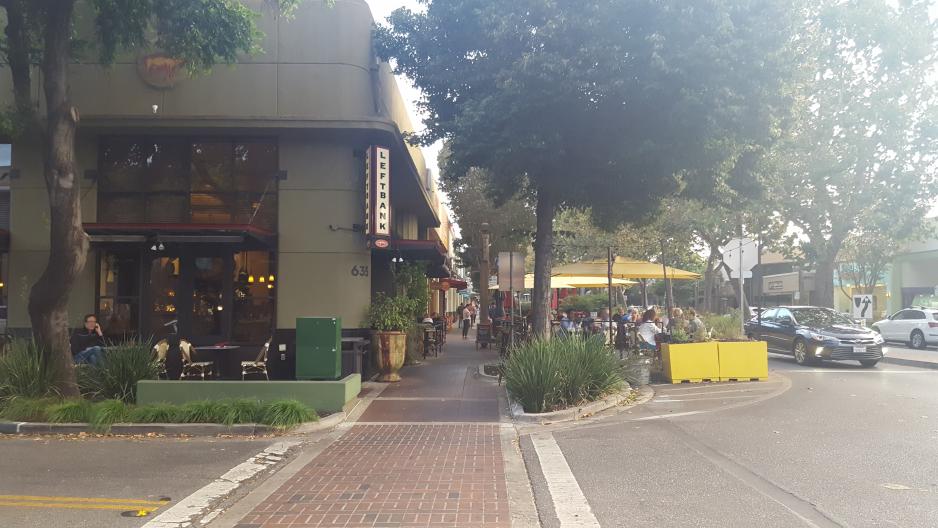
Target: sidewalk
426,452
927,358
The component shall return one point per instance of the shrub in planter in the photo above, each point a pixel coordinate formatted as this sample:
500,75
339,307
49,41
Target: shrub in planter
155,413
284,414
27,409
547,375
70,411
107,413
23,372
116,376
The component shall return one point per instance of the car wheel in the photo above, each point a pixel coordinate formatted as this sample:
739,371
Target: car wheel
801,352
869,363
917,339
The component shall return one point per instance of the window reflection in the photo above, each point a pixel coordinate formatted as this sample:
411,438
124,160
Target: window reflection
118,294
164,288
255,286
208,303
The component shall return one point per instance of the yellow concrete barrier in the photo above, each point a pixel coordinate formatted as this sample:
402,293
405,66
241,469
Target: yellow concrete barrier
743,360
691,362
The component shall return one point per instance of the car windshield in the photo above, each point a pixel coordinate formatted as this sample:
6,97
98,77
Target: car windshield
819,318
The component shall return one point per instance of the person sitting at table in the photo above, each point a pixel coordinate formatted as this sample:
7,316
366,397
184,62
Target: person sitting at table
88,343
567,324
601,324
695,327
632,316
677,319
648,330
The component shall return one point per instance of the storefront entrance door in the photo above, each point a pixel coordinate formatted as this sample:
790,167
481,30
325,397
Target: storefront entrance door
186,293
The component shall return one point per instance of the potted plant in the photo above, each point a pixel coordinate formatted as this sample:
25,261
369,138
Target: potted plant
389,317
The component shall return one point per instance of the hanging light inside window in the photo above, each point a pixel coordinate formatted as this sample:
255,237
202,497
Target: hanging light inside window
271,278
250,279
260,279
270,286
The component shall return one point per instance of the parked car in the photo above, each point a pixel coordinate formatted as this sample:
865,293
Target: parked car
917,327
812,334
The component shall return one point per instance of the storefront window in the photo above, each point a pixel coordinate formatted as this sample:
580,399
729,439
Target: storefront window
255,287
208,303
164,291
119,294
175,180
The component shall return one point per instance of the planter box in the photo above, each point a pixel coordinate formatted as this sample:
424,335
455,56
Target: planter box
690,362
743,360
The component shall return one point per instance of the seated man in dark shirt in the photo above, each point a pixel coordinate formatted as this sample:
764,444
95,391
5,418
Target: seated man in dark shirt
87,343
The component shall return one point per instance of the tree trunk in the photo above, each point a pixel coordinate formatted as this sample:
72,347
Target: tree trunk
543,261
709,280
824,282
48,300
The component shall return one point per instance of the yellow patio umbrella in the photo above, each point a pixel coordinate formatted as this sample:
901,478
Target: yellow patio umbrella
599,281
623,268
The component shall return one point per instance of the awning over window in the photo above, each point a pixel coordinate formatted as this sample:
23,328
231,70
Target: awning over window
241,234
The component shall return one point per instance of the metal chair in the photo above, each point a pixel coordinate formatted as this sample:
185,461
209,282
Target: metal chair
259,365
161,350
192,369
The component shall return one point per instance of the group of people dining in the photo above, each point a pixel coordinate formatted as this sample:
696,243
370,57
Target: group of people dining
633,329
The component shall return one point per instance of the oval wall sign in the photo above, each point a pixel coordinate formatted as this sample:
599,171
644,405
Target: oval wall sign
158,69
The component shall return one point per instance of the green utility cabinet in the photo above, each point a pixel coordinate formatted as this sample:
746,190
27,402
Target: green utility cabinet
318,348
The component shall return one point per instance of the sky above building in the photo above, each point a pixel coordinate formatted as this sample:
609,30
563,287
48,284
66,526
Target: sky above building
380,9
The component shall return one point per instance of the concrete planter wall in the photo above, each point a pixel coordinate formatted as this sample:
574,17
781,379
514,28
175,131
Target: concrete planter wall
690,361
743,360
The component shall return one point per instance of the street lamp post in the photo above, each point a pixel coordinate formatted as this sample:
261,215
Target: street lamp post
484,279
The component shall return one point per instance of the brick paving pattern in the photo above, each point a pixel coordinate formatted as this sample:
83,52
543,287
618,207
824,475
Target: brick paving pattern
406,474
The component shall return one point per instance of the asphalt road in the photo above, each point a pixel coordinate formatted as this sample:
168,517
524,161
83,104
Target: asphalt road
842,446
91,482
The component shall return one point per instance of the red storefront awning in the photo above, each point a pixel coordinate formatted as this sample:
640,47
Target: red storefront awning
180,234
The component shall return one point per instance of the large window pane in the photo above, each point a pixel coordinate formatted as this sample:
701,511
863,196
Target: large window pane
119,294
255,286
207,300
211,167
255,165
168,164
164,288
123,164
122,208
212,208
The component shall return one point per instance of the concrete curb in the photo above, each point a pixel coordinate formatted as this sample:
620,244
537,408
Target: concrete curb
910,362
568,415
42,428
326,424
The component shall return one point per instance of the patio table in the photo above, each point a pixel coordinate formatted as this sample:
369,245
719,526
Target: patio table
222,361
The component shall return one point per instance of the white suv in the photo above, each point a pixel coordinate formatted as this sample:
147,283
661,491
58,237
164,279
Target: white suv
918,327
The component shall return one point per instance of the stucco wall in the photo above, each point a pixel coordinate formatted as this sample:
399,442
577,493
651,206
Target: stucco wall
325,186
29,232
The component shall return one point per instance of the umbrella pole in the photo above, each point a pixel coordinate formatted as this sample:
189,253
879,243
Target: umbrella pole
667,298
609,279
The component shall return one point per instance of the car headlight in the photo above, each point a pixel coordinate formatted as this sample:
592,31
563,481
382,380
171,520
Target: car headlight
816,337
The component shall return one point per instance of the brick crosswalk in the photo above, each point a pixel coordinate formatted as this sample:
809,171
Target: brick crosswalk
397,468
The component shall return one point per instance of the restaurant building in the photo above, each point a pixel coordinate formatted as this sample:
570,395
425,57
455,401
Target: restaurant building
223,206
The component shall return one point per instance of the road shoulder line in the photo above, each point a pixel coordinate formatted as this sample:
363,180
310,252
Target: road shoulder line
570,505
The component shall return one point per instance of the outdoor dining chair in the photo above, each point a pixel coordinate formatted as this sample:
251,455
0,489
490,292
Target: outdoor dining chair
259,365
161,350
193,369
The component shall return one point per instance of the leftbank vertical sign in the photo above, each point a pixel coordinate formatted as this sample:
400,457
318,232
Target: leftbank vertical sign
378,196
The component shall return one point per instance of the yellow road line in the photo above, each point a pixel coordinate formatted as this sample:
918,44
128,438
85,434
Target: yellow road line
77,499
76,506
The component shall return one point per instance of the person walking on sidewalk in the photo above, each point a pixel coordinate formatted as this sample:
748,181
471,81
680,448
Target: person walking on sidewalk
466,321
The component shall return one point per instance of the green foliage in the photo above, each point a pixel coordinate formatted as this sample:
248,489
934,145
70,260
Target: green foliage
70,411
242,410
390,314
284,414
20,409
155,413
547,375
106,413
117,374
24,373
411,281
863,137
204,411
724,327
588,302
678,335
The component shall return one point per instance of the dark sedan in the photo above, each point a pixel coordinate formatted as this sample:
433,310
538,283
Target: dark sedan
812,334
